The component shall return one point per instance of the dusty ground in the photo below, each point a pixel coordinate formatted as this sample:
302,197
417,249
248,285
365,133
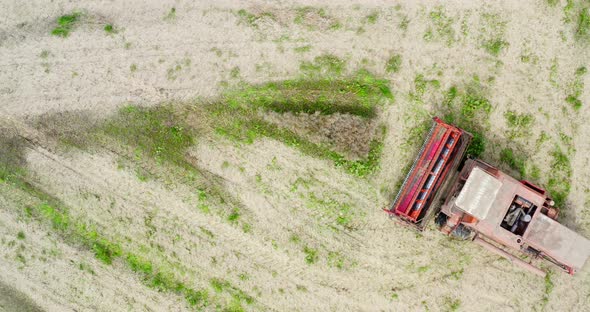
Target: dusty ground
376,265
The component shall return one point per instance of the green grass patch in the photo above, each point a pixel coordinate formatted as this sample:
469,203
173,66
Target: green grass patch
394,63
559,184
372,18
52,212
300,14
335,26
495,46
583,28
171,15
568,11
249,130
160,135
326,65
247,17
340,212
574,101
456,275
163,279
442,27
548,284
153,143
311,255
313,18
404,23
548,289
336,260
110,29
322,89
237,296
478,144
516,162
218,285
302,49
474,104
252,19
235,73
469,109
492,32
234,216
516,120
421,85
295,239
577,88
452,304
518,124
156,132
357,96
55,214
65,24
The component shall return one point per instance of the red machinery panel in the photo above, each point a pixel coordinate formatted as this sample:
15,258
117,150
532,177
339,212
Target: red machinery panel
430,168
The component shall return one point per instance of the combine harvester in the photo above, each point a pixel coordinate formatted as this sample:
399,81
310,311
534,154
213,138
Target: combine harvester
476,201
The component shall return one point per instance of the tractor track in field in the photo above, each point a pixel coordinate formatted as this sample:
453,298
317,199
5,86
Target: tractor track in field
57,272
259,254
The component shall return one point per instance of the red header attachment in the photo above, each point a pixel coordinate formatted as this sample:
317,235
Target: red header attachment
443,144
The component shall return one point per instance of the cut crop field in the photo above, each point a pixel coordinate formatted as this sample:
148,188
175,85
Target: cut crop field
236,155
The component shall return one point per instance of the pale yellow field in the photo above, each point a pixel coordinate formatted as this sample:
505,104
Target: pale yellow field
287,249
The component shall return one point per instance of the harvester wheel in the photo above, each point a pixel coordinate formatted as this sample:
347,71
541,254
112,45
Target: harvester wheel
461,232
441,219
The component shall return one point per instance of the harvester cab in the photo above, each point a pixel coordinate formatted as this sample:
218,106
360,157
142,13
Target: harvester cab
474,200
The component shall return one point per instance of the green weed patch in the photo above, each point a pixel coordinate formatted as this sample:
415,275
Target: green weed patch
156,132
577,88
559,184
358,96
309,18
514,161
55,214
110,29
65,24
323,89
442,27
326,65
394,63
468,109
311,255
252,19
518,124
583,29
248,130
492,33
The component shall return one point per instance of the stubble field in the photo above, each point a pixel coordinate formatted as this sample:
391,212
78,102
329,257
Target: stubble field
236,156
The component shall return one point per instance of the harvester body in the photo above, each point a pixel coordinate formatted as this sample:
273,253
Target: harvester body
475,200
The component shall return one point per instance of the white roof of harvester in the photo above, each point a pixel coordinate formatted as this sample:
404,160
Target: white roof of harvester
564,244
478,193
